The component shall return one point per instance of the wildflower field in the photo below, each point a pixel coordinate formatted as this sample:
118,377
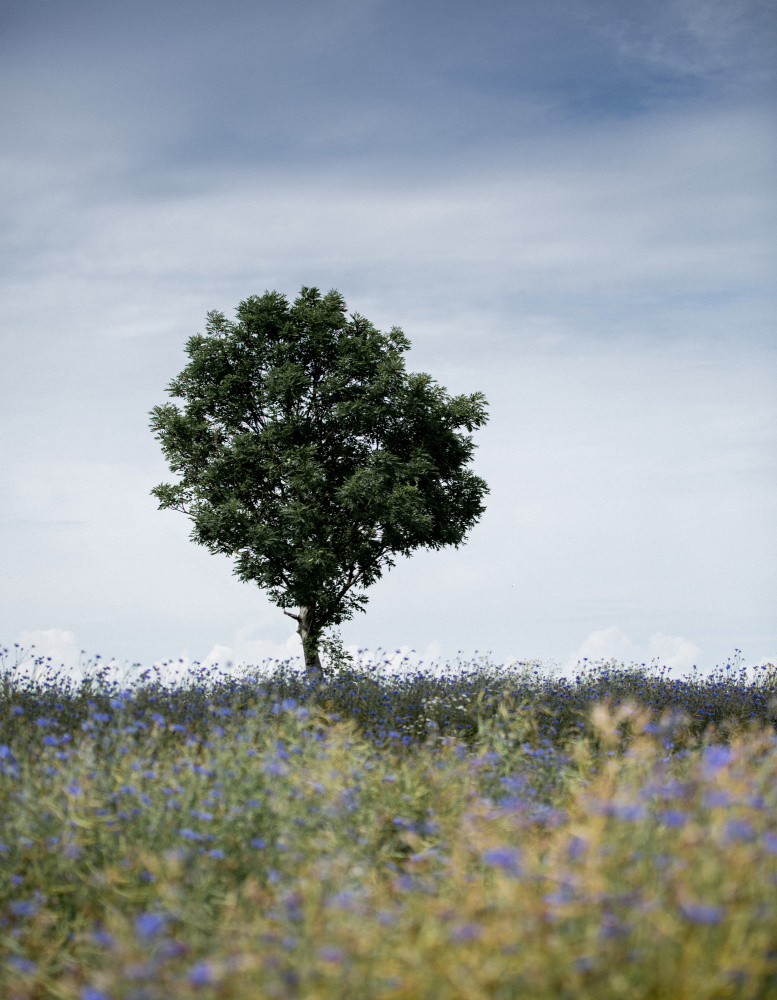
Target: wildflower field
483,833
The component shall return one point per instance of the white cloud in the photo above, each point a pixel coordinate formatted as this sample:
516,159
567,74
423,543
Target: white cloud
542,266
605,644
56,650
245,651
58,643
675,653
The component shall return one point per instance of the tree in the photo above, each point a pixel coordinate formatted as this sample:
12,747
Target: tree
307,451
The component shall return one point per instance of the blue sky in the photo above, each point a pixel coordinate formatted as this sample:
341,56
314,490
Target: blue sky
566,205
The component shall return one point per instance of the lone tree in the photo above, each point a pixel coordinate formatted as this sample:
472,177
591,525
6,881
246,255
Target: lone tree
308,452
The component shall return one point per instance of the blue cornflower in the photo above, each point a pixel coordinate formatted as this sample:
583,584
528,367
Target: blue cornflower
202,974
631,812
716,757
674,818
102,937
702,913
506,858
466,932
90,993
148,925
22,964
738,829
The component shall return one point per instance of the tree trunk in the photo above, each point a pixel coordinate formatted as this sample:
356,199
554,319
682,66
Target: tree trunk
309,635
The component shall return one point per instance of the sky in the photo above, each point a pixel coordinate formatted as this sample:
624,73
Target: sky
568,205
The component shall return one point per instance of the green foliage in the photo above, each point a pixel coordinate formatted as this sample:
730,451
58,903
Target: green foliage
307,451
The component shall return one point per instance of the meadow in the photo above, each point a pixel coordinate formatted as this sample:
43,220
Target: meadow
482,832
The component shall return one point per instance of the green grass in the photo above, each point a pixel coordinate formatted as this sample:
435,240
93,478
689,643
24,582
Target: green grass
487,833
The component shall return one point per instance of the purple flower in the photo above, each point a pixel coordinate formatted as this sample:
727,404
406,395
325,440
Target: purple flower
701,913
514,783
564,895
506,858
716,757
330,954
276,767
631,812
22,964
202,974
216,853
190,834
466,932
90,993
674,818
20,908
611,927
344,900
103,937
148,925
738,829
770,842
258,843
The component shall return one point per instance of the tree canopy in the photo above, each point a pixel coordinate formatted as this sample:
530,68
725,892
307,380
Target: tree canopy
307,452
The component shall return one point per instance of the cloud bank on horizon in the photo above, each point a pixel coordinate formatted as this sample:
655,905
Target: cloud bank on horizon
567,205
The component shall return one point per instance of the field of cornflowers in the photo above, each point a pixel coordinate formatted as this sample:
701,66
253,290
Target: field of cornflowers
483,833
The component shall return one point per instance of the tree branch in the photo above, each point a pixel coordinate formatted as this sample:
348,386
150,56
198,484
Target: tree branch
295,617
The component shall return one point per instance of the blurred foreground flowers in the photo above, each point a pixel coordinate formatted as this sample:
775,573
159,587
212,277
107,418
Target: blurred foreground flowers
275,849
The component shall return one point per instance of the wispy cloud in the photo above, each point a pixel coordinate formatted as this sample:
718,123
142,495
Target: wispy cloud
567,205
